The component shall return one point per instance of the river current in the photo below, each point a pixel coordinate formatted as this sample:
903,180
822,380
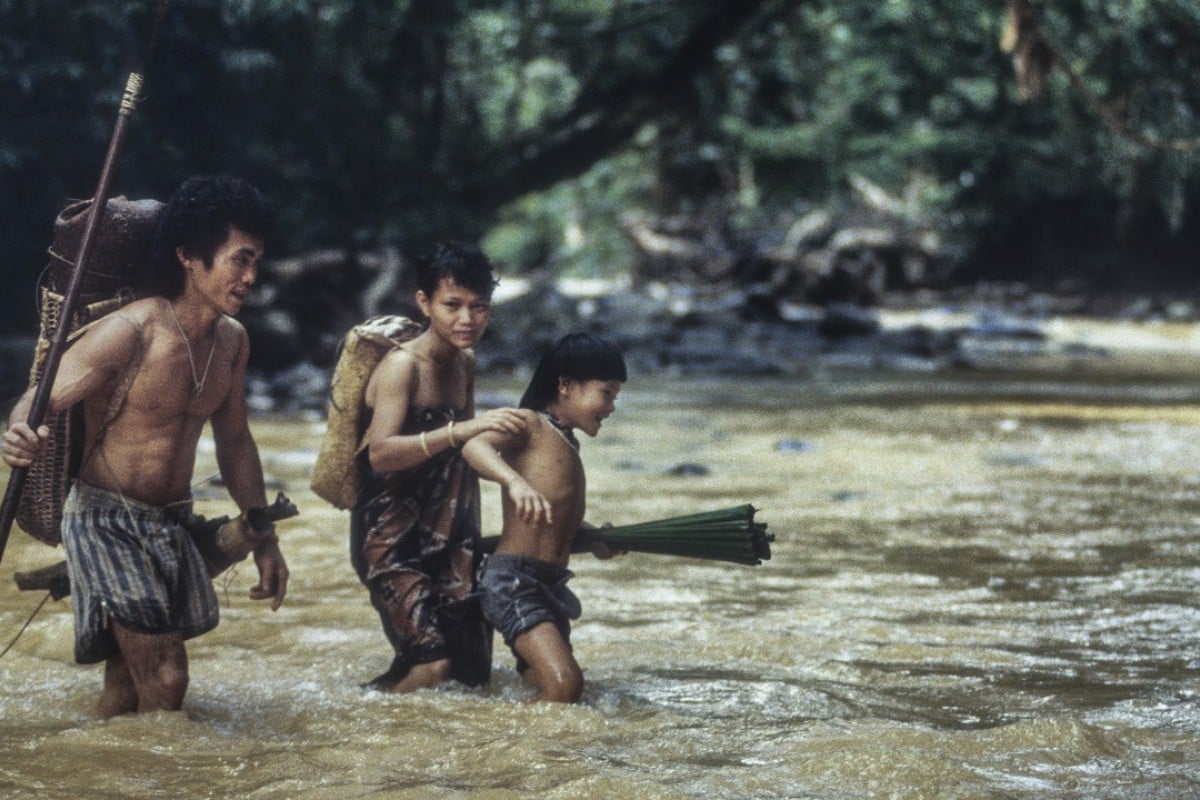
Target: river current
981,587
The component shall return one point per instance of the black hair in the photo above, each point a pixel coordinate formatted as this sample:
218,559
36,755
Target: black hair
464,264
577,356
198,218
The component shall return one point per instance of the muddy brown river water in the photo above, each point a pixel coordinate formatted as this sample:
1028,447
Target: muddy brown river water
982,587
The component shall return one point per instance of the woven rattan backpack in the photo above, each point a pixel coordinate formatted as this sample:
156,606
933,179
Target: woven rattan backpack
335,477
126,233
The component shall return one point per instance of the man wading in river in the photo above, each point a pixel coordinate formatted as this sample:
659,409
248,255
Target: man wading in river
139,585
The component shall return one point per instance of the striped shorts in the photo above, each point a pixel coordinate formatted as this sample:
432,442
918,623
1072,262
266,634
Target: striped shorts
133,563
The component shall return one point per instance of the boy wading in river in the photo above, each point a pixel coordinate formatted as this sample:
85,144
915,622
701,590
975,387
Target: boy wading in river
524,583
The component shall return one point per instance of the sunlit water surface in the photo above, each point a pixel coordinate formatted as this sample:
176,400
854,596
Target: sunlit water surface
980,589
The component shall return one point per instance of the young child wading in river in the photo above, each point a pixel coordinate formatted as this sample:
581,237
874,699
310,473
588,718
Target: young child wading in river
523,584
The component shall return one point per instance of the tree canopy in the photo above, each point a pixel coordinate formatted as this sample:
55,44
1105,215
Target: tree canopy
533,125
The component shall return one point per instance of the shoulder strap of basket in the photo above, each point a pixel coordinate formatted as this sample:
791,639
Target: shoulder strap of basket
121,391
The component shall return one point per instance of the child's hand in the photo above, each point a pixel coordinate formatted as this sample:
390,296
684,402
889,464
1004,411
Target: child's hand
531,506
602,551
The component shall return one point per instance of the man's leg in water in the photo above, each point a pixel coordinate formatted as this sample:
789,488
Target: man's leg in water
150,673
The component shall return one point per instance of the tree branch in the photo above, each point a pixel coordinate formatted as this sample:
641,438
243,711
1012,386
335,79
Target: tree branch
607,113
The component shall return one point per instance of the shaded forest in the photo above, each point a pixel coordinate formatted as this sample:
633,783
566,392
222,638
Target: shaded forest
1053,144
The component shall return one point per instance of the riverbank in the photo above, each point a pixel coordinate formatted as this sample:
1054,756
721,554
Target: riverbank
679,332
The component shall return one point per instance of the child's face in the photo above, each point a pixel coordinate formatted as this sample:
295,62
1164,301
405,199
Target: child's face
585,404
456,314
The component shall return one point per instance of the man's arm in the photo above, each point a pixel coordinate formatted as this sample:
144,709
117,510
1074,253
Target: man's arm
89,365
485,453
241,469
237,452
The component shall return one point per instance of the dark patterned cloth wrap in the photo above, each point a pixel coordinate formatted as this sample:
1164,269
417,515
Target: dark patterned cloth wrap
414,542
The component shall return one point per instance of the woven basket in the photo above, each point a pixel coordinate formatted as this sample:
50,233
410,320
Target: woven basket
125,234
335,478
47,480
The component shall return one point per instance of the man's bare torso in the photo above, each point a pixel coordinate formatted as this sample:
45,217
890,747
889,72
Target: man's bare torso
551,466
147,452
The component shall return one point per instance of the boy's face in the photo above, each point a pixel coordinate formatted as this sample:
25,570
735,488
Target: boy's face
586,404
456,314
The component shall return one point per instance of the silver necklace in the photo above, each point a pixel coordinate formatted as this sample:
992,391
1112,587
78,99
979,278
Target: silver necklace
197,383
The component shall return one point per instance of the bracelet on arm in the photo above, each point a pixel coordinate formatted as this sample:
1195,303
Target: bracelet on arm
425,446
450,433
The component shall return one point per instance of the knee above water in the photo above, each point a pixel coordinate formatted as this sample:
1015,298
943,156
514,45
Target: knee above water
172,680
564,686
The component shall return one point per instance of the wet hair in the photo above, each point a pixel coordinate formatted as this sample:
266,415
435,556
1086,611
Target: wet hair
198,218
577,356
464,264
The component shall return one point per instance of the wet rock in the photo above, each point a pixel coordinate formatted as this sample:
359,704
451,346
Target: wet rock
688,470
921,341
795,446
274,337
999,326
843,319
300,387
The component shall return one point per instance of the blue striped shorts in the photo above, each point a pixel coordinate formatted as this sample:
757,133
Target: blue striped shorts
133,563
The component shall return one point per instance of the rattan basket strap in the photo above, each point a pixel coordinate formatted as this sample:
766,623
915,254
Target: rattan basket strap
121,390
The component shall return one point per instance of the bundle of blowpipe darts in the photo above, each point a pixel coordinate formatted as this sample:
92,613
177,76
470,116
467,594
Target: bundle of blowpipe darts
729,534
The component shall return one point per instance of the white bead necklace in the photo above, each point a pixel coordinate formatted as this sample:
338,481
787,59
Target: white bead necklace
197,383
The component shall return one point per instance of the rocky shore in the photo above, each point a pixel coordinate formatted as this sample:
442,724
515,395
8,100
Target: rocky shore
684,332
679,331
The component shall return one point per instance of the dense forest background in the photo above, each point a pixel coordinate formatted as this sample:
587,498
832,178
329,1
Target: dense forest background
1052,143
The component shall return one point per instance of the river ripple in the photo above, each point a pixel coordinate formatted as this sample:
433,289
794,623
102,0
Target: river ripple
980,589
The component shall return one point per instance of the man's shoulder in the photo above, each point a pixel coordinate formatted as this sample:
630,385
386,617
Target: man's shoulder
230,326
137,312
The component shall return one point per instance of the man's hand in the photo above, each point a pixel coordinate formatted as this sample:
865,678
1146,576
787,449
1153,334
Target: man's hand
272,574
20,445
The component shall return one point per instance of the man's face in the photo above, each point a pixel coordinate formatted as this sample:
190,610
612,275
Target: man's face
234,269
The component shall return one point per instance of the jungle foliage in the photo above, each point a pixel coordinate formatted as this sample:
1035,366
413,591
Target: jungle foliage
534,125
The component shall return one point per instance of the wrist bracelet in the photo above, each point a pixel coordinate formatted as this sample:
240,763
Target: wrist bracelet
450,433
425,446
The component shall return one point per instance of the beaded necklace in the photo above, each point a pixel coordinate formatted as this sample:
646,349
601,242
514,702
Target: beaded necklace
563,431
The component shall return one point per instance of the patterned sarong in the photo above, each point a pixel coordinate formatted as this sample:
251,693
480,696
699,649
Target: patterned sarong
133,563
414,542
